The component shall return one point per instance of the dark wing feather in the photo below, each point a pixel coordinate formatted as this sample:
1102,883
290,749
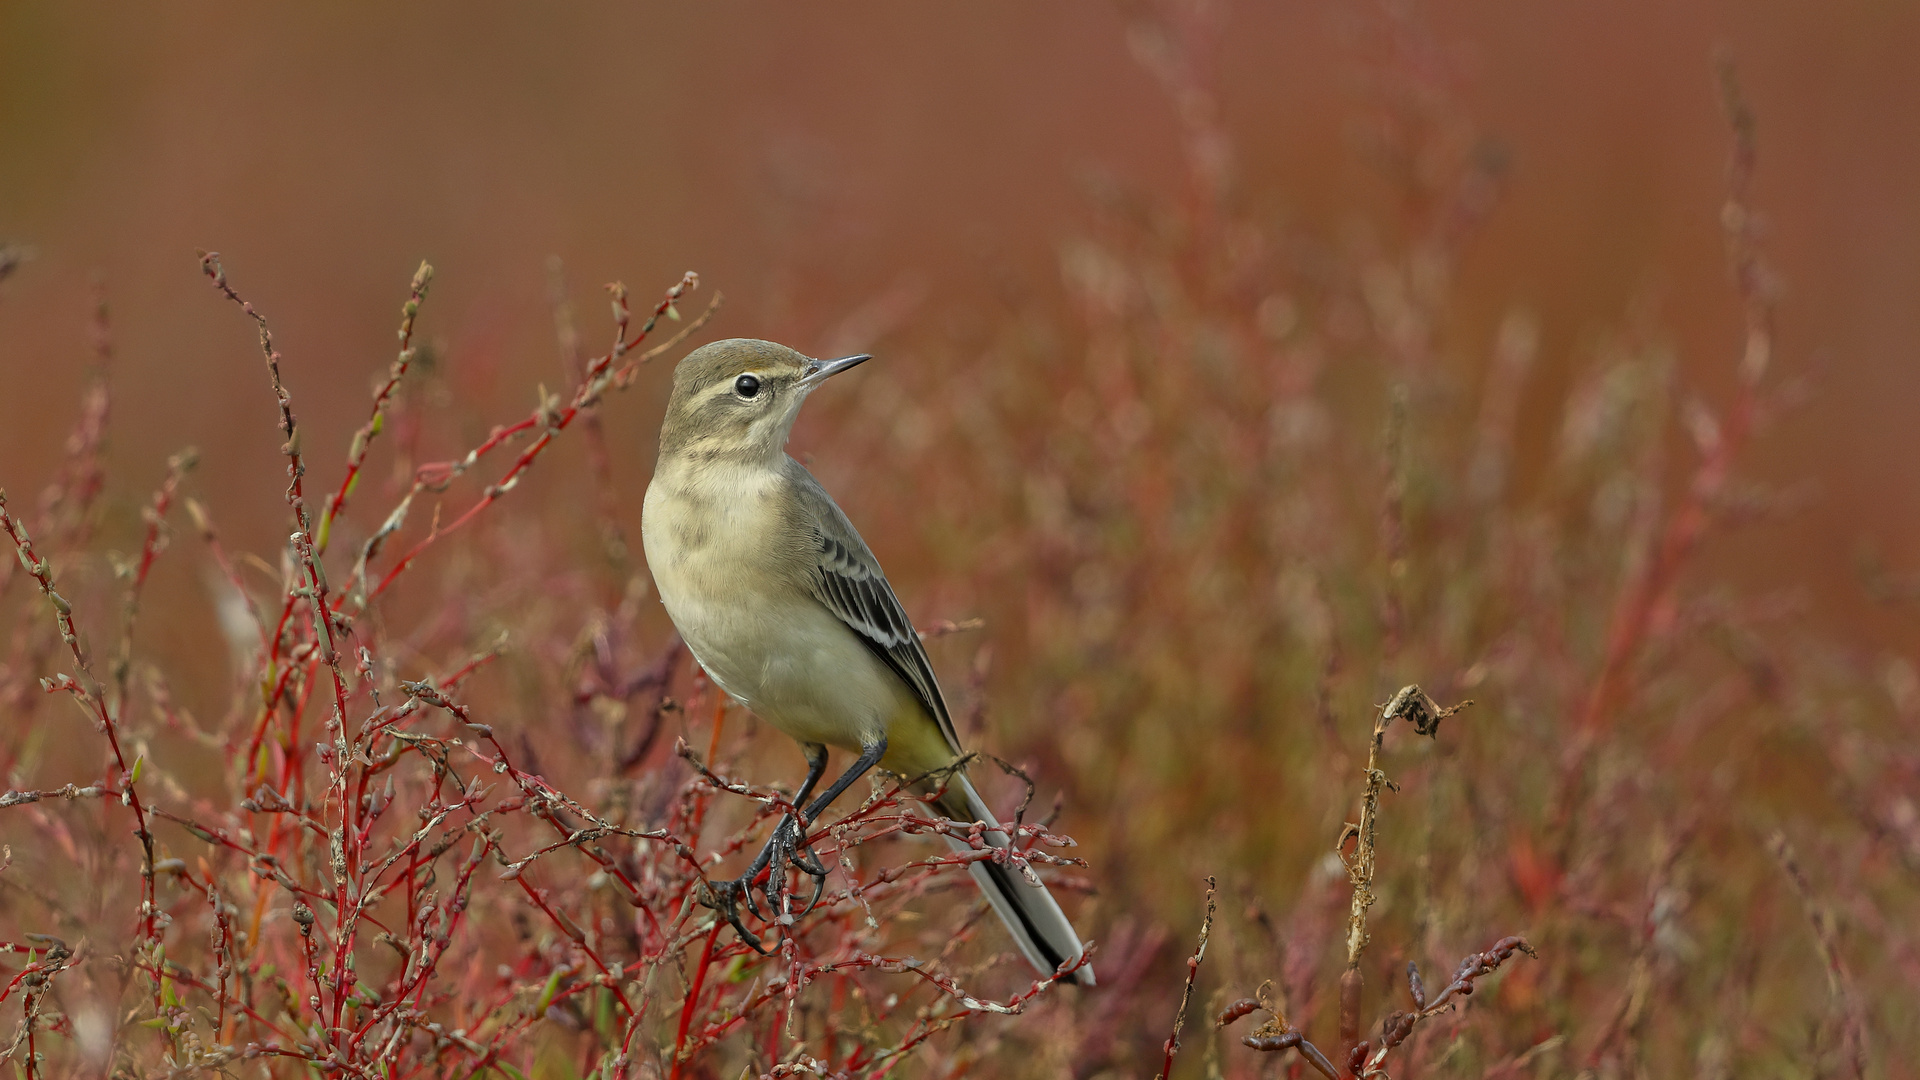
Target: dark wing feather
847,579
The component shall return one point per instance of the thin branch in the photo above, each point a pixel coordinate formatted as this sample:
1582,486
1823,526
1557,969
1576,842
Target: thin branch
362,439
1186,994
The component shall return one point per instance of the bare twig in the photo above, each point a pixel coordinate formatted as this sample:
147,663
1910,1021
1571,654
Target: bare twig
547,421
1186,994
156,542
1412,704
362,439
1363,1059
86,689
1826,936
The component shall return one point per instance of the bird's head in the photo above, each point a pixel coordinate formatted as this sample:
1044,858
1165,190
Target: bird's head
738,398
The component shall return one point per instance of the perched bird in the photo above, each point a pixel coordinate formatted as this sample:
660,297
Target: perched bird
787,610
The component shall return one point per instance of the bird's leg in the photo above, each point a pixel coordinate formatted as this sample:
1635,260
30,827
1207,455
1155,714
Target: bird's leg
870,756
816,766
780,849
777,853
786,846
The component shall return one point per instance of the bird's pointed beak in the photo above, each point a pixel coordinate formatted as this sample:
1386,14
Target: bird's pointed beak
819,371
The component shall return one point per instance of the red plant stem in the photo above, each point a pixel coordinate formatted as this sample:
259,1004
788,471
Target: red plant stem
1649,596
1651,590
83,476
267,708
571,931
413,884
419,987
774,1025
323,629
1719,446
223,952
280,627
487,498
599,462
294,773
1186,994
693,995
92,696
219,838
970,1005
24,973
459,674
431,952
182,975
599,376
156,516
719,719
536,792
363,439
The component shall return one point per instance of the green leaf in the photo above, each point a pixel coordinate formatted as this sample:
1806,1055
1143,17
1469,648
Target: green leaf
603,1014
549,993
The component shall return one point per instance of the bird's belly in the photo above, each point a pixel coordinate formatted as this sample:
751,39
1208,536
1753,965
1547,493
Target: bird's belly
802,672
777,651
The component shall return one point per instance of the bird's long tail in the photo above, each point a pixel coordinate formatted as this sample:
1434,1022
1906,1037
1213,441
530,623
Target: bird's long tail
1032,916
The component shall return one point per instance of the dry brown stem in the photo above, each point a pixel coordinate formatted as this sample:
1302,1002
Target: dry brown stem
1186,995
1363,1059
1417,708
1848,1014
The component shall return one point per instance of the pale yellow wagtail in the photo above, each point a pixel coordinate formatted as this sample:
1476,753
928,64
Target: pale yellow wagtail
787,610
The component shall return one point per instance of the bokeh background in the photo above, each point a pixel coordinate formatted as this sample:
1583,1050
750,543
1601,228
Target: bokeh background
813,166
988,197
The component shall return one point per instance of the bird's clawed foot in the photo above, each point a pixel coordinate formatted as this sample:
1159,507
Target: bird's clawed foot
724,898
768,874
786,848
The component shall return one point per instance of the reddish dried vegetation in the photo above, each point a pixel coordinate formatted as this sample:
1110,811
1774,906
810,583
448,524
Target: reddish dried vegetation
416,846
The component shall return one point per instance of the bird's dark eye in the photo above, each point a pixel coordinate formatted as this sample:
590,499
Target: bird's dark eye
746,386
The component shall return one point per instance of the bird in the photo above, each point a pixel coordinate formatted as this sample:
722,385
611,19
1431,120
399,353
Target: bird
786,608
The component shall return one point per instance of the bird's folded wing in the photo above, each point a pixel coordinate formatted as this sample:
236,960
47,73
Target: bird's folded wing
847,579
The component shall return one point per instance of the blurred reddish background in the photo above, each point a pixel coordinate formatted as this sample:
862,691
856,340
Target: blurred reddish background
808,161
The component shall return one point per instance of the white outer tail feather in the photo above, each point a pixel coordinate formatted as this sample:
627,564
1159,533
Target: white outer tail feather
1027,909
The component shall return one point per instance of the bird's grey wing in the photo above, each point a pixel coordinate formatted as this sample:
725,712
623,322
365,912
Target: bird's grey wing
847,579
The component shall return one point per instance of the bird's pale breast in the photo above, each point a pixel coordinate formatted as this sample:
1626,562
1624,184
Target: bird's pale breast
721,548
